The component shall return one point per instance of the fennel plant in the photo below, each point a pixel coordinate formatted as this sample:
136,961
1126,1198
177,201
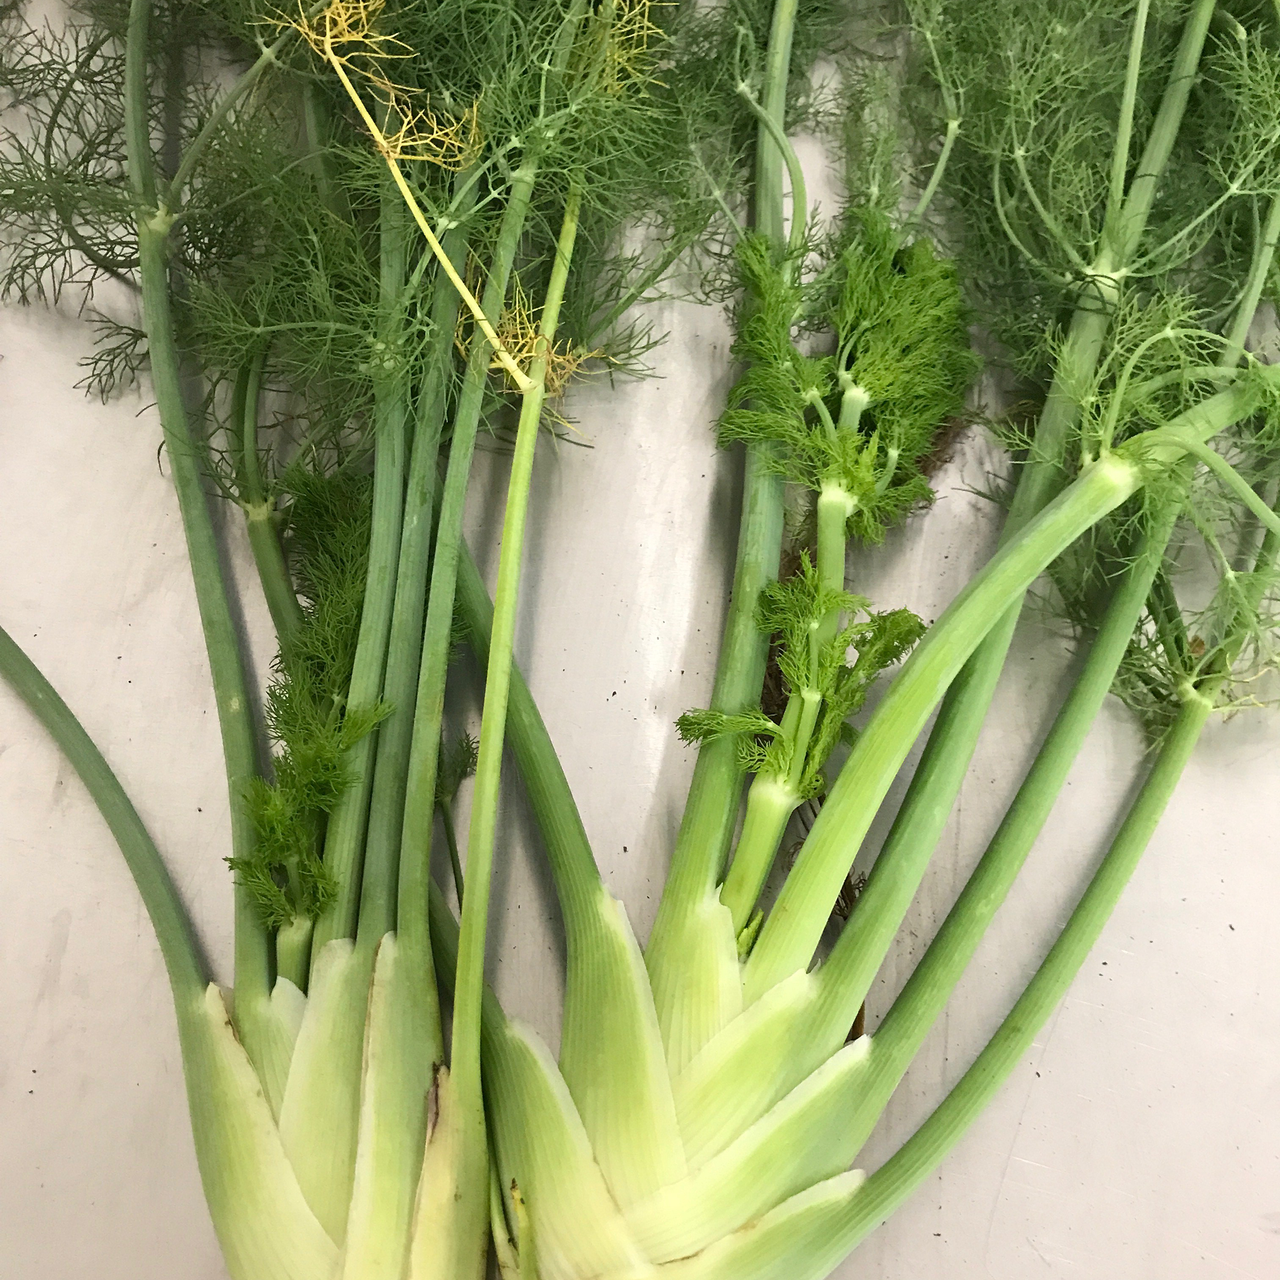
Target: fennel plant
334,227
373,245
768,1102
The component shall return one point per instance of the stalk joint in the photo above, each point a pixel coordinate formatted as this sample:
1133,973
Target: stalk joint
1189,695
259,512
1101,282
853,401
156,222
1120,468
833,495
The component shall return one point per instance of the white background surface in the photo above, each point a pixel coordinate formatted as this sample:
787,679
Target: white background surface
1140,1139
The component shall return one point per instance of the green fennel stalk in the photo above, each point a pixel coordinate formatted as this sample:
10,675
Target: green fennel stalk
253,956
937,778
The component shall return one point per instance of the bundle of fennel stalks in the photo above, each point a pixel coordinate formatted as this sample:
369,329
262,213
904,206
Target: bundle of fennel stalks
357,273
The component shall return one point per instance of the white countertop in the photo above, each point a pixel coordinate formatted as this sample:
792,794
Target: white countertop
1139,1140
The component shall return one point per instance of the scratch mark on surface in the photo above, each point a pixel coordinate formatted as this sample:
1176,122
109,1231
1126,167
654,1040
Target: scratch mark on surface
1043,1047
51,976
1047,1258
1217,1257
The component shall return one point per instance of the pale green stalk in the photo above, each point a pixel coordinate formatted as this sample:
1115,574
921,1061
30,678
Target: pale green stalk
611,1053
1149,171
403,1038
1128,99
845,981
451,843
420,793
573,865
911,1015
240,748
789,936
904,1027
694,982
805,1238
890,1185
1259,273
473,1158
935,178
835,506
1016,1034
772,799
942,768
344,837
952,132
318,138
264,1226
347,1073
768,217
770,803
428,716
182,961
293,940
459,1248
404,655
1231,479
688,1013
772,127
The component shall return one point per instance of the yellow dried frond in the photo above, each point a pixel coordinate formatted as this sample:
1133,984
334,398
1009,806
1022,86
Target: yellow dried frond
518,329
435,139
345,29
344,35
630,39
563,364
520,335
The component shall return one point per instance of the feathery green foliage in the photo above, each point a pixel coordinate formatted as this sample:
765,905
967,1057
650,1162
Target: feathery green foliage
792,610
864,418
306,712
1031,179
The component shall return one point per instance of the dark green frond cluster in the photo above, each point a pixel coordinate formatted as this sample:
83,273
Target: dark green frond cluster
286,872
903,340
327,541
793,611
457,763
834,675
862,420
65,209
307,712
